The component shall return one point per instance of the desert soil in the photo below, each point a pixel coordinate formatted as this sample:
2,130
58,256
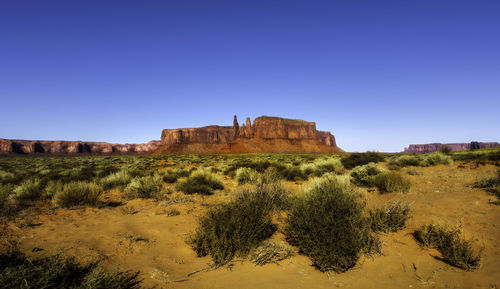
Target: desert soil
140,235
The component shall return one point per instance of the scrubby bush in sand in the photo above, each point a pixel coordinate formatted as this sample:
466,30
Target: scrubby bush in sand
358,159
57,271
491,184
388,182
437,159
200,182
321,166
389,219
119,178
144,187
78,193
28,191
327,224
246,176
454,249
235,228
363,175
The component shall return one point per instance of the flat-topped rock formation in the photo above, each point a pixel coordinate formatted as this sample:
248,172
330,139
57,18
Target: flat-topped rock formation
73,147
434,147
266,134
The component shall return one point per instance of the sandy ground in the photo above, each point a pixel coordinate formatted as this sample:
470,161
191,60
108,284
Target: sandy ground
140,235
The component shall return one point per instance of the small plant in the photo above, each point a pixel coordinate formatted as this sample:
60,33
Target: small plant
51,189
389,219
199,182
405,161
454,249
491,184
171,176
144,187
363,175
247,175
445,149
234,229
78,193
437,159
359,159
328,225
413,172
391,182
119,178
270,253
57,271
28,191
321,166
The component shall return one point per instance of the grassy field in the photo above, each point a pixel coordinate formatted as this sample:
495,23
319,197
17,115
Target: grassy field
360,220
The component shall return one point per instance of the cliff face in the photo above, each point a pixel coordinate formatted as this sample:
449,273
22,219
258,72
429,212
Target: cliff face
434,147
73,147
294,135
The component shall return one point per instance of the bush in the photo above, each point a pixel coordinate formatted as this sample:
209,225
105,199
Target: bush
405,161
491,184
437,159
144,187
445,149
78,193
391,182
171,176
234,229
328,225
389,219
200,182
454,250
321,166
28,191
247,175
359,159
363,175
56,271
52,188
119,178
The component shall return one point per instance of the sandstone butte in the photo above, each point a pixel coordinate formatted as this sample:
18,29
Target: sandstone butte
434,147
266,134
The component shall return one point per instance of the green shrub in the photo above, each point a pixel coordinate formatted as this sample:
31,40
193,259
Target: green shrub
247,175
363,175
389,219
6,207
119,178
454,250
28,191
51,189
359,159
234,229
321,166
78,193
200,182
171,176
144,187
437,159
8,177
491,184
56,271
445,149
391,182
405,161
328,225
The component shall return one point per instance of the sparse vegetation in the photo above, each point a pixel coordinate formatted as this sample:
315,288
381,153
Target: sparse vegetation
28,191
78,193
328,225
405,161
436,159
389,219
363,175
144,187
57,271
388,182
119,178
200,182
235,228
358,159
247,176
491,184
454,249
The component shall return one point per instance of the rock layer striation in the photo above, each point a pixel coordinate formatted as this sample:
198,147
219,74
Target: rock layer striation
434,147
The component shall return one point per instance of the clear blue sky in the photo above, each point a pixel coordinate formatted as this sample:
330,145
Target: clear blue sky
378,74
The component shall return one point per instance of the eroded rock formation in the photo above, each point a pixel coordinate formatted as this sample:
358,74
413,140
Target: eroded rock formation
434,147
293,135
73,147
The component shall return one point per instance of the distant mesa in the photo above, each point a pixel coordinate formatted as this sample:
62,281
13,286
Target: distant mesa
434,147
266,134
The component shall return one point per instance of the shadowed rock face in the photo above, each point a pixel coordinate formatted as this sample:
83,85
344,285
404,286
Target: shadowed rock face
264,128
434,147
73,147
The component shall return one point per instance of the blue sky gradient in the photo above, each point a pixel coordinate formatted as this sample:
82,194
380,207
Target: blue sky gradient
378,74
